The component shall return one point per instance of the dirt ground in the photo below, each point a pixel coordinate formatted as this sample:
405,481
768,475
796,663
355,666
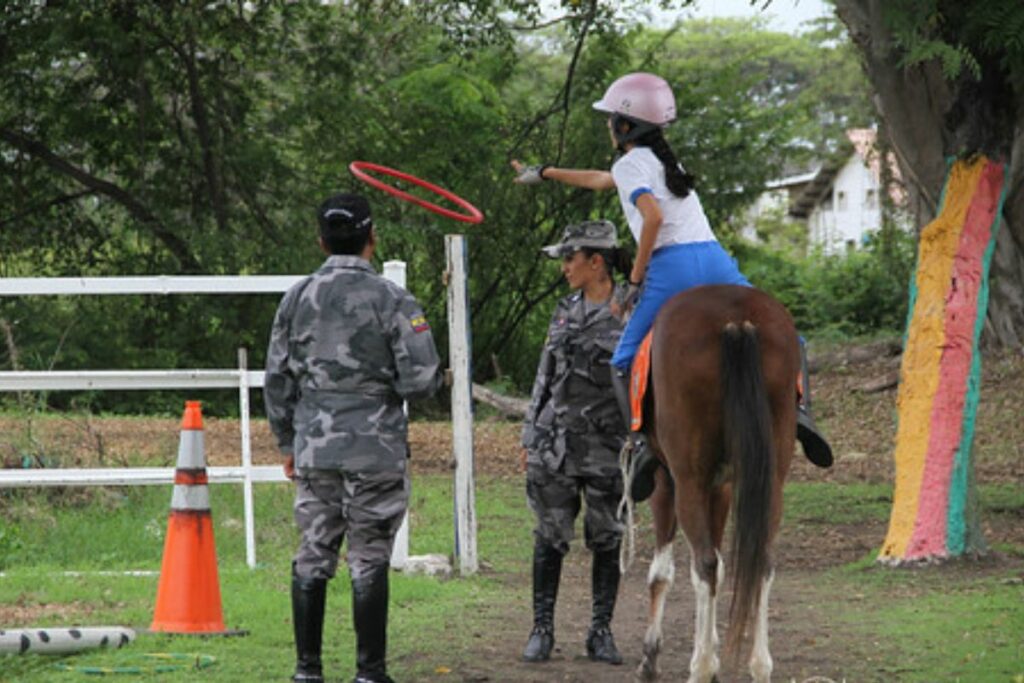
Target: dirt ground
807,643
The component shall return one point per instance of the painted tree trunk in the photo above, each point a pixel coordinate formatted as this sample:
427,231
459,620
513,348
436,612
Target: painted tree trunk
934,514
915,104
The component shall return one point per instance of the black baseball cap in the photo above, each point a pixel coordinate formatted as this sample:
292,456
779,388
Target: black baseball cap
347,214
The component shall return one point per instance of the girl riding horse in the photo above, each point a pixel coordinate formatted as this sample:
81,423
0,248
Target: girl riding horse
676,248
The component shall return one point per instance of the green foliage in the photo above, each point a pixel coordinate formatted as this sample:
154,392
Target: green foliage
961,35
753,103
140,138
857,293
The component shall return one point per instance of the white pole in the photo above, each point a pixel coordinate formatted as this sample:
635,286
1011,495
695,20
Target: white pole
462,403
395,271
243,409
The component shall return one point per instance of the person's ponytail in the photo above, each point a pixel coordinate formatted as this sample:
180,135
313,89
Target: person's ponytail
679,182
616,260
620,261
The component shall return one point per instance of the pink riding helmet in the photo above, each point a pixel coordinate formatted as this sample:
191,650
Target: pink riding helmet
642,97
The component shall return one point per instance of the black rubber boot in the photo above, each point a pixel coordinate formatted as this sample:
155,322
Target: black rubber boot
816,448
547,571
642,463
370,617
604,579
308,599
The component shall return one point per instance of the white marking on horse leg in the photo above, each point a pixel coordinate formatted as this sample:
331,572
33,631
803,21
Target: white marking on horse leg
663,566
704,662
719,580
760,659
660,578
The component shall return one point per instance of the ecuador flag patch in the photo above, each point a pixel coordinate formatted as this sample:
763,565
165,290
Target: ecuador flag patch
419,323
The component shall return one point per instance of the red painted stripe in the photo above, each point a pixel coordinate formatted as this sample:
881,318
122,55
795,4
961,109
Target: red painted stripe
190,477
961,307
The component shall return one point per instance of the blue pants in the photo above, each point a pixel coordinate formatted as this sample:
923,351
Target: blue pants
674,269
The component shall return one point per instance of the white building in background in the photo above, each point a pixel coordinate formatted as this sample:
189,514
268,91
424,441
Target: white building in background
840,202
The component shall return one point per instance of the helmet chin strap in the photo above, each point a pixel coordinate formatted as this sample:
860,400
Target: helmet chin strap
636,130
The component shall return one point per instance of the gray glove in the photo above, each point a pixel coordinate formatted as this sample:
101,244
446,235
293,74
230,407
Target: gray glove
531,175
625,301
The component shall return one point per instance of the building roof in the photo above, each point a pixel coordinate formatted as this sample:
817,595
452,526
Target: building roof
859,142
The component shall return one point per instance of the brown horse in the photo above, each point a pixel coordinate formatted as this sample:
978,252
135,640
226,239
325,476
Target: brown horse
723,398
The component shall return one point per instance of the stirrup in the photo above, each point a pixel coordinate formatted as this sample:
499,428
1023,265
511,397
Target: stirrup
644,467
815,446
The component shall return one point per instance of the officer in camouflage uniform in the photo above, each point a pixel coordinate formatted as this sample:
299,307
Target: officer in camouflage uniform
346,348
572,437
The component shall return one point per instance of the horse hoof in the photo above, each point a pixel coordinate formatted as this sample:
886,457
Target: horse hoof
647,671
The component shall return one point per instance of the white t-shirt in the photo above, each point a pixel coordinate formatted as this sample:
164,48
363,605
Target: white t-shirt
638,172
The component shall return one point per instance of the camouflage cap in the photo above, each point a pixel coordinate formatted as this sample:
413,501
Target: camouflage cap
348,214
589,234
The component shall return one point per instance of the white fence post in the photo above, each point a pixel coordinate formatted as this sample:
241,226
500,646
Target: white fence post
243,418
395,271
462,403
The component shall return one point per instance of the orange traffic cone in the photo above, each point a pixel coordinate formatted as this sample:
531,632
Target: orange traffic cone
188,597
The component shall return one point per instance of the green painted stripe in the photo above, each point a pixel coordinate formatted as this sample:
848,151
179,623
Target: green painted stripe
961,483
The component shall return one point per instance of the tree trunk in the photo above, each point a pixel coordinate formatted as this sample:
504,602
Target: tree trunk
930,118
1005,322
915,105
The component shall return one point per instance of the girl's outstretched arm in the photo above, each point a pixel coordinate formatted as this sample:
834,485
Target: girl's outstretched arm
586,178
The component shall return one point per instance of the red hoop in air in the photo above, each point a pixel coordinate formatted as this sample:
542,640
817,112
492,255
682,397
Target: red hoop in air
359,170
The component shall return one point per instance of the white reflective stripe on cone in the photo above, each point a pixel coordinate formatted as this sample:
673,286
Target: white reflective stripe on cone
191,449
190,497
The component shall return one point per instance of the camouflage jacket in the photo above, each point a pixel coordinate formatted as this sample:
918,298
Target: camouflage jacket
346,348
574,424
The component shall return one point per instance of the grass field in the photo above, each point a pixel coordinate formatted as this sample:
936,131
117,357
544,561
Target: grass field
835,612
50,533
904,626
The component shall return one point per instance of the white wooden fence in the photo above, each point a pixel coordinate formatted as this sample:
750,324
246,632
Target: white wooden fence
243,380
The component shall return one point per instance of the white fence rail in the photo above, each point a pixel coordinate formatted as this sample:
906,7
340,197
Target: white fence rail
241,379
155,284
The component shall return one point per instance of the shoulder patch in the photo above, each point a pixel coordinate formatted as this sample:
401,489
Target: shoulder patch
419,323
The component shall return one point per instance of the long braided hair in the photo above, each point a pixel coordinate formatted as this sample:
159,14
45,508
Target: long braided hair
679,182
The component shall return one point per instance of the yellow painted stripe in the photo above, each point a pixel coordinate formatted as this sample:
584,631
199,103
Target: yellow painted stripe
919,370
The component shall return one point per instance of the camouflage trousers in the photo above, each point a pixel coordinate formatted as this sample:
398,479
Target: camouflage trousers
555,499
329,505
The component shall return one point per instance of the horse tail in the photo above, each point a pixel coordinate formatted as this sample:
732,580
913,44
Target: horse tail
747,431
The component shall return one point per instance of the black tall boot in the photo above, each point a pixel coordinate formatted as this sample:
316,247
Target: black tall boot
643,464
816,448
308,599
604,580
370,617
547,570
